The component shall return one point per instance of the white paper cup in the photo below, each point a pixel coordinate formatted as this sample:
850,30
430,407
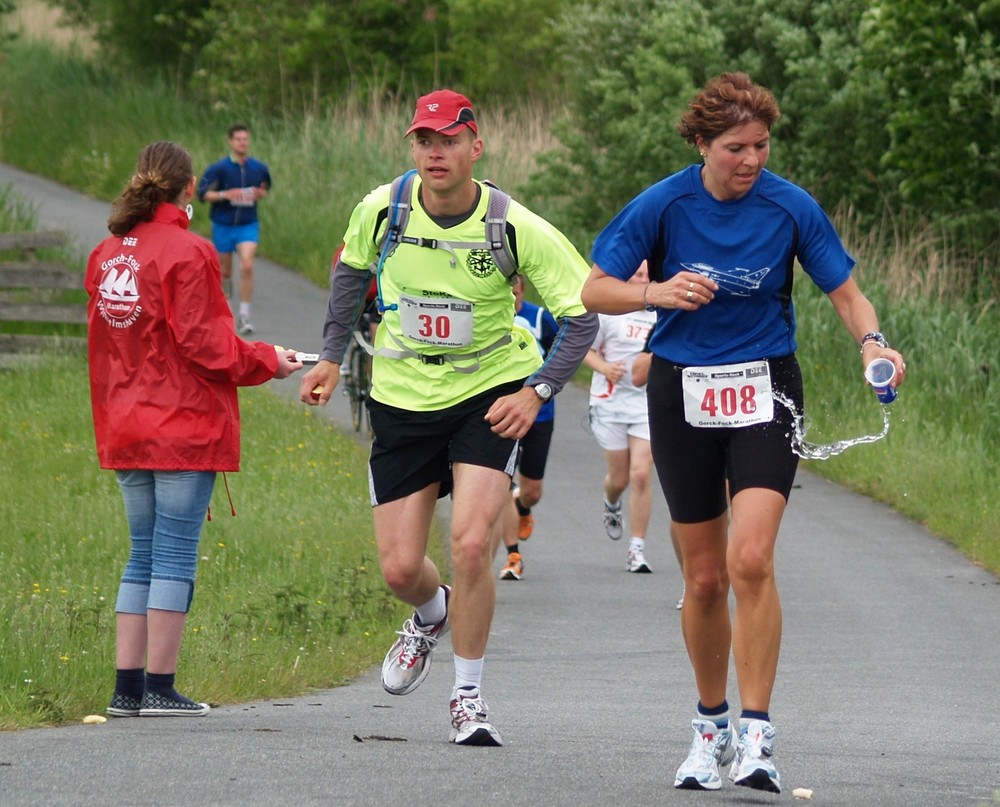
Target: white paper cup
879,374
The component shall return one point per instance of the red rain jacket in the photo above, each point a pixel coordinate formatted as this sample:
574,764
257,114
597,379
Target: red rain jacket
165,360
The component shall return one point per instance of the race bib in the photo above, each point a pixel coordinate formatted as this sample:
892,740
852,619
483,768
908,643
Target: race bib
728,395
245,198
441,321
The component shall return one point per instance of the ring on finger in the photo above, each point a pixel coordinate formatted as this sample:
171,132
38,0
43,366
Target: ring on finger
691,286
690,295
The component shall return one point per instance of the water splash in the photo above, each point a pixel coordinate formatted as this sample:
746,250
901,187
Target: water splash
812,451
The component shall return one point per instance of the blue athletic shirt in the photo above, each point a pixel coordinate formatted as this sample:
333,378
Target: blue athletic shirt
747,245
225,174
544,328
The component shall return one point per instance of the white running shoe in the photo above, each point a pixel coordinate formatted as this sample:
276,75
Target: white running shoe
613,522
636,562
245,328
710,748
470,723
409,659
752,766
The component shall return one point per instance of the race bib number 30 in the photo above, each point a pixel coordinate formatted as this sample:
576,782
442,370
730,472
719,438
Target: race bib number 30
445,322
728,395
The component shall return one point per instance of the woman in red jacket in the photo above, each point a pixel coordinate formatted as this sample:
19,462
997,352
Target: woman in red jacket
165,363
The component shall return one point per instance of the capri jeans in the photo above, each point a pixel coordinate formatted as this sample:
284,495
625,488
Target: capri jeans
165,511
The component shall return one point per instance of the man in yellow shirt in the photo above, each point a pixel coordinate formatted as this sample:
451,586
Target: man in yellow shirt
455,384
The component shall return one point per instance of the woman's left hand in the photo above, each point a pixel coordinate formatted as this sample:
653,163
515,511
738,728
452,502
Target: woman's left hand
287,362
872,351
687,291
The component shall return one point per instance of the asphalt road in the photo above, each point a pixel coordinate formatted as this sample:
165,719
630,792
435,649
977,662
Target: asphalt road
887,691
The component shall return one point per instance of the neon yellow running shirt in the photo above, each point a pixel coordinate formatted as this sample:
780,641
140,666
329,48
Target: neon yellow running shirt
459,302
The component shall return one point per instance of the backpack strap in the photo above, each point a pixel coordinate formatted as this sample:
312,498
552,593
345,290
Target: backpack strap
496,242
399,214
496,231
404,352
495,236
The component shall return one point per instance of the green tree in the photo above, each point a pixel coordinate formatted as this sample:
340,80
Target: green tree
166,36
630,68
290,54
6,7
831,134
939,63
505,49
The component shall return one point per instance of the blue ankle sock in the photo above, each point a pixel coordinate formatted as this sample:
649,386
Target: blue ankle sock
162,684
748,715
130,682
719,714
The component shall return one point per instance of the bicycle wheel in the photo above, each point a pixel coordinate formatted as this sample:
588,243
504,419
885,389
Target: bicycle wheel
360,383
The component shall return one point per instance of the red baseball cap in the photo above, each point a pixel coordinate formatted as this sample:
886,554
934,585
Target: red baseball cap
443,111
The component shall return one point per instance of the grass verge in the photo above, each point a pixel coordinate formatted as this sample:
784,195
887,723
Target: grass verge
289,597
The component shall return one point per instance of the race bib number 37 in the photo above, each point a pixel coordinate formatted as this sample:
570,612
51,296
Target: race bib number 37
728,395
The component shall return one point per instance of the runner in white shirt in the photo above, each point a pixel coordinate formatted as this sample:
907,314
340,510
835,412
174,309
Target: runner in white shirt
620,421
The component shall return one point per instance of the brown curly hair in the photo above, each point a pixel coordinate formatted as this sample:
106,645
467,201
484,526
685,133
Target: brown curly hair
163,169
727,100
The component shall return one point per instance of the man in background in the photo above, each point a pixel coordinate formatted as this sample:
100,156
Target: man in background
233,186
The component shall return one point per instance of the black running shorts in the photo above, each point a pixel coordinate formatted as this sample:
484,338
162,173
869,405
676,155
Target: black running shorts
535,449
694,464
412,450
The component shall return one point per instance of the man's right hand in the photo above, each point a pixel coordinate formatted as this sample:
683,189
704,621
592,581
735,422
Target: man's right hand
319,383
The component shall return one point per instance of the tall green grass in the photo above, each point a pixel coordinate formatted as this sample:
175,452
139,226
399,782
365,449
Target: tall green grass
288,597
940,462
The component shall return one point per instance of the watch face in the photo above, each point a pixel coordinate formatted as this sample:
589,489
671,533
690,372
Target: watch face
543,391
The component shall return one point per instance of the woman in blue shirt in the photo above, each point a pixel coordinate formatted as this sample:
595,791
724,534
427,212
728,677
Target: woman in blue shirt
721,239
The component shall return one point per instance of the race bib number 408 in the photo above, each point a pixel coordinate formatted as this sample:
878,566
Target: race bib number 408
728,395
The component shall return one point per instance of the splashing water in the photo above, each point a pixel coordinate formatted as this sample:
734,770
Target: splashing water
812,451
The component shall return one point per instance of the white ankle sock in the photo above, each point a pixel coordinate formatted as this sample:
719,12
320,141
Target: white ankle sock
468,672
432,611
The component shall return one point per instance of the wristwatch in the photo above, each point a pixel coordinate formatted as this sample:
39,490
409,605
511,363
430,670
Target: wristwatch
876,337
543,391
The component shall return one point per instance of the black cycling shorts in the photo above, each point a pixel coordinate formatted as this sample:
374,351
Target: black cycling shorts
412,450
694,464
534,451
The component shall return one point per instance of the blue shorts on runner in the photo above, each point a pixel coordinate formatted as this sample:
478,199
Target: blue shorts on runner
412,450
225,237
